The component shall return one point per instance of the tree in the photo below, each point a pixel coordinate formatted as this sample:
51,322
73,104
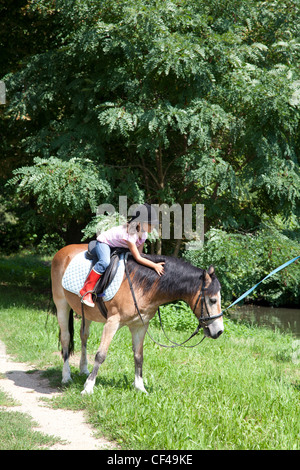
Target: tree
180,101
63,193
23,33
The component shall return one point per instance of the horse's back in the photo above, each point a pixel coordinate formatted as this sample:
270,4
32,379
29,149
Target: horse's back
60,263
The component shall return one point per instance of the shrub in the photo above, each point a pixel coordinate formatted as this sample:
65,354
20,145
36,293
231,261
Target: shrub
243,260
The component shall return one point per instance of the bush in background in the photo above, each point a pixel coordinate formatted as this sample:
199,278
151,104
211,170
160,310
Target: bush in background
241,261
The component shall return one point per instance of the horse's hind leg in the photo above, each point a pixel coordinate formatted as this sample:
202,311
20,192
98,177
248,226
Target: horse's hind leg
110,328
65,321
84,337
138,336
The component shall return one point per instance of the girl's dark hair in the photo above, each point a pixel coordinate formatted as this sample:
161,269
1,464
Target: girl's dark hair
133,227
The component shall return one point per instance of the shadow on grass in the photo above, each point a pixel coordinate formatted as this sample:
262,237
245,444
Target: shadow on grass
53,375
26,297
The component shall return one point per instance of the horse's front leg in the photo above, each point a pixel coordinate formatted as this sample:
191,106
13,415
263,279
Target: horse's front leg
84,337
138,336
111,327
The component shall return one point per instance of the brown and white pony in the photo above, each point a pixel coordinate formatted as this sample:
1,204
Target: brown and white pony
181,281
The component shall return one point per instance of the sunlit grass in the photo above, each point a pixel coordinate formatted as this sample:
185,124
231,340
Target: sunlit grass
238,392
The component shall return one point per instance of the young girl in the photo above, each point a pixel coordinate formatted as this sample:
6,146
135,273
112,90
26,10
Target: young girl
131,236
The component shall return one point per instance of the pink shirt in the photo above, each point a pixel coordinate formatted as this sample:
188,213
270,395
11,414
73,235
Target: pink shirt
117,237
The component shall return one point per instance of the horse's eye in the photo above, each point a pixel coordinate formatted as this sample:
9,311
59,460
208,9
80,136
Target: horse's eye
213,301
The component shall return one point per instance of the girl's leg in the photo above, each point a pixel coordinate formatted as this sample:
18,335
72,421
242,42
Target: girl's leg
103,255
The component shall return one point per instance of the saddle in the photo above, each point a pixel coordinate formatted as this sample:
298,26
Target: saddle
108,275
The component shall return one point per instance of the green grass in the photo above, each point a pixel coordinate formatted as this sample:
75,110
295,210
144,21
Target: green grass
17,433
25,270
5,399
238,392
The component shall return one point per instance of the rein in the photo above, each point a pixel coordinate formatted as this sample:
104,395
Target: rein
202,319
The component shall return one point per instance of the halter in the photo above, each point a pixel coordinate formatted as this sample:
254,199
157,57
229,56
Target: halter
202,319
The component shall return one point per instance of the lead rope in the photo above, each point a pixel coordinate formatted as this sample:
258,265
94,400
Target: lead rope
174,345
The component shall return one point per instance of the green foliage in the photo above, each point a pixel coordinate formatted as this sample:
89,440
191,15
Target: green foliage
199,99
176,317
61,191
174,101
243,260
62,187
101,223
50,244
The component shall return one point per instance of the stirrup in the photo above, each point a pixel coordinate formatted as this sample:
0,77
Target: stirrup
88,304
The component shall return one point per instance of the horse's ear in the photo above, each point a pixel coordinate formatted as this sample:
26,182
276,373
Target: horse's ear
211,270
206,278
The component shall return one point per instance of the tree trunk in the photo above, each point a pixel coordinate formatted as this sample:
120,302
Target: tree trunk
177,247
161,185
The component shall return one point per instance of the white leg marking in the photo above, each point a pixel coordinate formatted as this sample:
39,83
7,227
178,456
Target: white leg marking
138,335
88,387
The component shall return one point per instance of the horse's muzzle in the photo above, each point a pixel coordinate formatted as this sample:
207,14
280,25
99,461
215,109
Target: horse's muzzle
211,331
216,335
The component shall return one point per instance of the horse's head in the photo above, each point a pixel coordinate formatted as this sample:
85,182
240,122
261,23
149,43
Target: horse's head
208,305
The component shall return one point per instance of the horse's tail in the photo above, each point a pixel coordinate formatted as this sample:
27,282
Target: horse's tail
71,332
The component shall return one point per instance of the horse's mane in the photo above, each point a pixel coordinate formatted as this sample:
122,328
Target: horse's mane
180,278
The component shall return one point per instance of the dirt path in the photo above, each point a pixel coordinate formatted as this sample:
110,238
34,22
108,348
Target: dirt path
28,389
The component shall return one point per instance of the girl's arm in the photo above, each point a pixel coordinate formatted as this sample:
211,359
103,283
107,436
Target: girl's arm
140,248
158,267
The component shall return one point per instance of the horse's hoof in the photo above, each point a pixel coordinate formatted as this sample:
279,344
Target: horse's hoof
140,389
88,388
67,381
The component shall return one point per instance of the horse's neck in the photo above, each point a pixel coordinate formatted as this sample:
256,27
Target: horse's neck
159,299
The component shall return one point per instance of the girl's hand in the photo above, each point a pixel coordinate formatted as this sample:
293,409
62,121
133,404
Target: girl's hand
146,262
159,268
